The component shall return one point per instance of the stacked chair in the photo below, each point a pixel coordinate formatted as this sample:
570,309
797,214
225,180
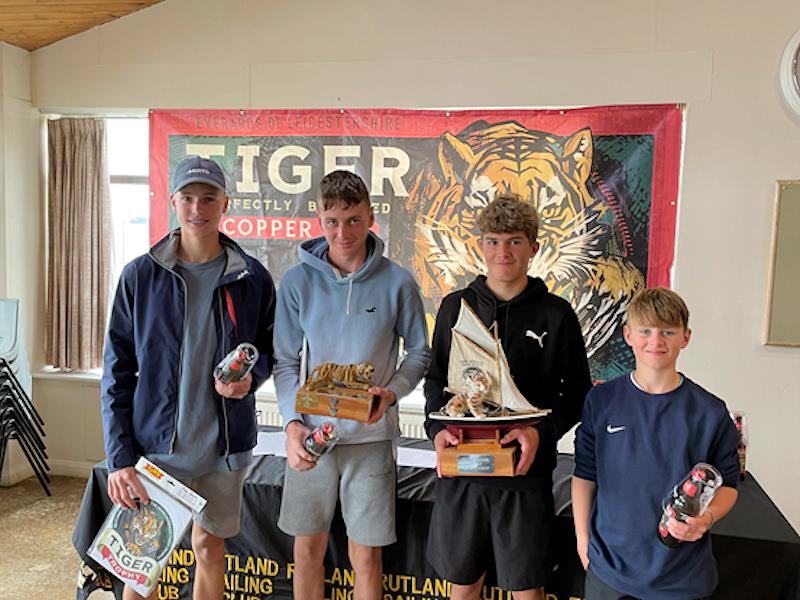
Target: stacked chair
19,419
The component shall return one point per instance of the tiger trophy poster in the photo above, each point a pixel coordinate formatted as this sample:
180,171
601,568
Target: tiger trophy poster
135,545
604,181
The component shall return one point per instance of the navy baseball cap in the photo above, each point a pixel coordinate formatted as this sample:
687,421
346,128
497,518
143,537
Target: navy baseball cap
194,169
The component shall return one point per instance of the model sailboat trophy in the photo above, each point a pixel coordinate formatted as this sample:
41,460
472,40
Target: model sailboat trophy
485,404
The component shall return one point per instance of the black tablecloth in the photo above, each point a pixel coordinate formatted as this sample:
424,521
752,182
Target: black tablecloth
757,551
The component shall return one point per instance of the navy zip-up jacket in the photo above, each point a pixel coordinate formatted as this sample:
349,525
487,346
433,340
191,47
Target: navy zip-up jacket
142,356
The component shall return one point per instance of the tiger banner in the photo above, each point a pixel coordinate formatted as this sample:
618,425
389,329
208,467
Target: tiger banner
604,181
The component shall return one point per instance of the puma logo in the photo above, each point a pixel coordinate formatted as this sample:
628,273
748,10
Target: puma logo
244,273
371,309
539,338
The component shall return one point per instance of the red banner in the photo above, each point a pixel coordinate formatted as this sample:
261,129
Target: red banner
604,181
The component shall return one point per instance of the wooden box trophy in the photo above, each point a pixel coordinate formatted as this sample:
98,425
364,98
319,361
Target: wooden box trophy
485,405
338,391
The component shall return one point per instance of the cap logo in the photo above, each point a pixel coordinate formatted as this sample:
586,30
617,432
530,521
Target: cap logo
198,170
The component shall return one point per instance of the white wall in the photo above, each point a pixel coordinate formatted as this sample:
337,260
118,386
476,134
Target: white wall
21,239
719,57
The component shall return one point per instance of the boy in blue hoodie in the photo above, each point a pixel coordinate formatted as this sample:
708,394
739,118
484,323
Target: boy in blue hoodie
639,435
345,303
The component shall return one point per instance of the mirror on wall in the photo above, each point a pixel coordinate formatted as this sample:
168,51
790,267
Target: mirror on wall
782,326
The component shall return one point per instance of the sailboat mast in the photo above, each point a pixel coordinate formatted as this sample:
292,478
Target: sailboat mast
497,373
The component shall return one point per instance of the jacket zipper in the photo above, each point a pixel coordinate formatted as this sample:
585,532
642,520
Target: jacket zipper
180,368
222,398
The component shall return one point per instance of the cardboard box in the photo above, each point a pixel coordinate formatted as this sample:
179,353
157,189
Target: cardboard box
134,545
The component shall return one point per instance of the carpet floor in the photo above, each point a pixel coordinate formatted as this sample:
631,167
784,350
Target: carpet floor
37,560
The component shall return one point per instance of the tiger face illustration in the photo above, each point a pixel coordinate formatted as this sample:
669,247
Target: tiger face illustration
579,257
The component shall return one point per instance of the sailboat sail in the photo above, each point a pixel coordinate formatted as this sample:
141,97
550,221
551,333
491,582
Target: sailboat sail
473,345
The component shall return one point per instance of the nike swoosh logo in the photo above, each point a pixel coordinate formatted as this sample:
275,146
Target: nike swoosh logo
611,429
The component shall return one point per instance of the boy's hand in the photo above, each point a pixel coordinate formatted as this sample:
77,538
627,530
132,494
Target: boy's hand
120,485
692,530
442,440
583,551
528,439
235,389
385,399
296,455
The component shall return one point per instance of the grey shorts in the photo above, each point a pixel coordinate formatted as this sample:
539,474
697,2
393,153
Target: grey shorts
223,493
363,477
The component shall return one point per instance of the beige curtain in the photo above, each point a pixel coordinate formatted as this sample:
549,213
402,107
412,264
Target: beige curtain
79,243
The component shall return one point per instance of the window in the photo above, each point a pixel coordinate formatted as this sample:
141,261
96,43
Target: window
128,158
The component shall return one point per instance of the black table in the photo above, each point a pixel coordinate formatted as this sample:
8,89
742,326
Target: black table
757,551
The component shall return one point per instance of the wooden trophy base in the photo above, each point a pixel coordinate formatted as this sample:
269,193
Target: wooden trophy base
336,401
478,456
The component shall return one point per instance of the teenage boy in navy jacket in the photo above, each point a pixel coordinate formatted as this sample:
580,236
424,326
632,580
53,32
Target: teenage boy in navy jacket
178,311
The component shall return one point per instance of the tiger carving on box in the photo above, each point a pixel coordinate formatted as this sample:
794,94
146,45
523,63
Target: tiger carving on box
581,257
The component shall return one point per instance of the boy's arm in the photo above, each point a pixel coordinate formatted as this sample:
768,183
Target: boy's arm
116,400
584,478
288,344
411,327
574,383
119,381
436,379
583,492
263,342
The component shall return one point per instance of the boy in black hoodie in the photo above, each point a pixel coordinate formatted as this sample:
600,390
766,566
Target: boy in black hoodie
542,340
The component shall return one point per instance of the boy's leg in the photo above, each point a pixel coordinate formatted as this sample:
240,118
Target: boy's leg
467,592
307,506
129,594
220,520
521,526
459,545
209,572
368,566
309,568
367,492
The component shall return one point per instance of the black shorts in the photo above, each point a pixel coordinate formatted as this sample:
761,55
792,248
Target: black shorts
474,525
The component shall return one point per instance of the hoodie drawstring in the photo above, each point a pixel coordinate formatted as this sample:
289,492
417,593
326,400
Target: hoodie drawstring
349,291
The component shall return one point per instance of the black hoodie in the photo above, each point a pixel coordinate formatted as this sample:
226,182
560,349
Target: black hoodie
542,341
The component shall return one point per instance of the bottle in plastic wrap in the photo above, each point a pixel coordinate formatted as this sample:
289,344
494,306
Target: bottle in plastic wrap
237,363
689,498
322,439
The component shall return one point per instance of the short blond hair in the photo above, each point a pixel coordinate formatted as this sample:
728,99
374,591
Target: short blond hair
508,213
657,307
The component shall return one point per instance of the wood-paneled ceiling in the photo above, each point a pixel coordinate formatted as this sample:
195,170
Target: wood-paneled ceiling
32,24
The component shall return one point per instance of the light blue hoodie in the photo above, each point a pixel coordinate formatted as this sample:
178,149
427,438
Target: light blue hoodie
358,318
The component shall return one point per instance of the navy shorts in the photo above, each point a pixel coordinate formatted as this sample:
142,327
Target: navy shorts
597,589
475,525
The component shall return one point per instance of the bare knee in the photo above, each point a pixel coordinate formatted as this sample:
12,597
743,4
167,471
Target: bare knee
310,549
209,549
365,558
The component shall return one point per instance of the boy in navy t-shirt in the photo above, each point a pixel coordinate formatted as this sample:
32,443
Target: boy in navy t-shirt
639,435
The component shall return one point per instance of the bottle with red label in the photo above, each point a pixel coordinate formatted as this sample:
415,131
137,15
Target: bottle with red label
740,420
689,498
237,363
322,439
